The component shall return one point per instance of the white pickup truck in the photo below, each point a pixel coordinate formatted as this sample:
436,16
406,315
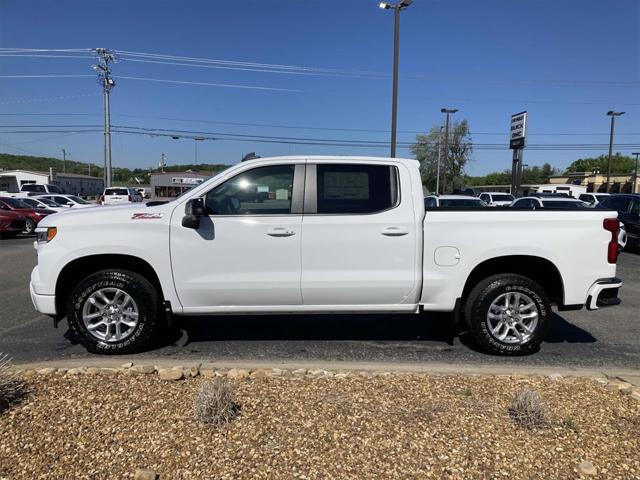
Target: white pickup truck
303,235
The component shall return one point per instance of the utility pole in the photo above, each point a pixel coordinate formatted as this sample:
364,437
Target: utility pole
447,111
64,161
196,140
397,8
439,156
635,173
613,116
105,57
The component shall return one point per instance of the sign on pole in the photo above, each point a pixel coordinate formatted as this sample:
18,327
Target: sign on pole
518,135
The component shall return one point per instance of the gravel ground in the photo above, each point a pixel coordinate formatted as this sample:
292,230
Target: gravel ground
398,426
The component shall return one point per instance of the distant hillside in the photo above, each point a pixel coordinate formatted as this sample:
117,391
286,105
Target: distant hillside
42,164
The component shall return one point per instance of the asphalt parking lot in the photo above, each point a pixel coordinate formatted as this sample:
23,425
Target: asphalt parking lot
607,338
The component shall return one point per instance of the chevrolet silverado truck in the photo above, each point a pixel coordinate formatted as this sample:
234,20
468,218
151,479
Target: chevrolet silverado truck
298,235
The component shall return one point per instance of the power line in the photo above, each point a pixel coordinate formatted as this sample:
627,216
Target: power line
225,85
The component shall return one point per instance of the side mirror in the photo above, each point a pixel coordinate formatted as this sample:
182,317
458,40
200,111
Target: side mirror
193,211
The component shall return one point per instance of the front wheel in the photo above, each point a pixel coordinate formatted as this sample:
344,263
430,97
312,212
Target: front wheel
113,312
508,314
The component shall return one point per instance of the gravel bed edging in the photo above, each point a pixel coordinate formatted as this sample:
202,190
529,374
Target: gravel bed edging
180,372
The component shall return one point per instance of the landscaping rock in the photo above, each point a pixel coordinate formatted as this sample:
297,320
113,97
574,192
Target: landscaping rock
555,376
92,371
587,468
208,372
127,365
170,374
620,386
145,369
46,371
259,373
193,371
76,371
145,474
237,373
299,372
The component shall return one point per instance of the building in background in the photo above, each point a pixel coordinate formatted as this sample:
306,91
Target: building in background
71,183
597,182
168,185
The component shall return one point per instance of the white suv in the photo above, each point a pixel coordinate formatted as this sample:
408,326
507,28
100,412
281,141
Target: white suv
120,195
496,199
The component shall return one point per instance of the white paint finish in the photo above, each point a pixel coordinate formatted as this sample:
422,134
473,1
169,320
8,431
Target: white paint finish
362,259
575,243
235,261
446,256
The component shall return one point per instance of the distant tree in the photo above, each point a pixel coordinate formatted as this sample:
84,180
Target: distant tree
533,175
452,166
619,164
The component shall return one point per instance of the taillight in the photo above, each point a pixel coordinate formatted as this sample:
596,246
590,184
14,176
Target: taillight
612,225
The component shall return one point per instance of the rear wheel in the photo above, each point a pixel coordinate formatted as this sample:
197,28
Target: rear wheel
29,226
114,311
508,314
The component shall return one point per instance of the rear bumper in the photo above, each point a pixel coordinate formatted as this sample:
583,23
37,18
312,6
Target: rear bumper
604,293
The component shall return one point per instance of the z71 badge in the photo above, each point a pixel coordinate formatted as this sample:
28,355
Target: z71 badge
146,216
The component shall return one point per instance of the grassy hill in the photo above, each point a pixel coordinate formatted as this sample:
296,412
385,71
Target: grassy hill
42,164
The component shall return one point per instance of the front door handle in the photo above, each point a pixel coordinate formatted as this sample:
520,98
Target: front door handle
280,232
394,231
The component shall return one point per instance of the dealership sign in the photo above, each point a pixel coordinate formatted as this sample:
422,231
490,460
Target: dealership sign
186,180
518,133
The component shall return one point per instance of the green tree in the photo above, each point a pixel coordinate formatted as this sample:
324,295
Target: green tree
619,164
452,166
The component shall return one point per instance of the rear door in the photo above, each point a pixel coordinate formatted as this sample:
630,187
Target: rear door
358,235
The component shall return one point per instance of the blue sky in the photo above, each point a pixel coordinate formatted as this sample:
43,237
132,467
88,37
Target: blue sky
566,62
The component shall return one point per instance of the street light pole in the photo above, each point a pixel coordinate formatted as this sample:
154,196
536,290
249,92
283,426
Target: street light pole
396,45
613,116
447,111
439,156
635,173
64,160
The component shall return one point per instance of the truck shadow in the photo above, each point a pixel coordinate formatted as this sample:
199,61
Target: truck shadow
432,327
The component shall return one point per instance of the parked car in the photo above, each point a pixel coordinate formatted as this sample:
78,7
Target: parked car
120,195
628,207
495,199
41,202
39,188
593,199
533,203
32,215
343,235
69,201
452,201
11,223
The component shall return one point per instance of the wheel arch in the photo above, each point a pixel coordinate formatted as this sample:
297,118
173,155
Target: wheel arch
538,269
80,268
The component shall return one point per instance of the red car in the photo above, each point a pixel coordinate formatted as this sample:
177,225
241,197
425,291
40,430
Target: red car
32,215
11,223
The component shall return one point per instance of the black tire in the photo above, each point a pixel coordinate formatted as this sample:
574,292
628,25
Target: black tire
29,226
143,293
485,293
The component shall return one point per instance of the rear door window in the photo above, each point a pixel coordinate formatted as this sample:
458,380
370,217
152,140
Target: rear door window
116,191
356,189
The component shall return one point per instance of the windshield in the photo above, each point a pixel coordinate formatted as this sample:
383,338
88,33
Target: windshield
79,200
461,202
562,204
15,203
502,197
48,202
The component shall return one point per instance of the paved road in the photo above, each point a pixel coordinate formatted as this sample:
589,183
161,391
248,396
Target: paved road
608,338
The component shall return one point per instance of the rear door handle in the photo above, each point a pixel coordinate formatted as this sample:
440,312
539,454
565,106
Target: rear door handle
280,232
394,231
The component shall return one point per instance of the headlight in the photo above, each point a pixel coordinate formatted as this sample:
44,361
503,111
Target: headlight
45,234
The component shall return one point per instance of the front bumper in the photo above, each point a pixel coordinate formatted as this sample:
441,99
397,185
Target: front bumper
42,303
604,293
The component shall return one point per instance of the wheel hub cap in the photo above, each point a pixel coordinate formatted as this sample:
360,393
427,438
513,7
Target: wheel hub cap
513,318
110,314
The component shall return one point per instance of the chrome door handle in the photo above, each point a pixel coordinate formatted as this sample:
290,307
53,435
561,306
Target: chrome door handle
394,231
280,232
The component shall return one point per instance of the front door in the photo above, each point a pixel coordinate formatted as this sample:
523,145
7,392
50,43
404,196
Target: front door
246,253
